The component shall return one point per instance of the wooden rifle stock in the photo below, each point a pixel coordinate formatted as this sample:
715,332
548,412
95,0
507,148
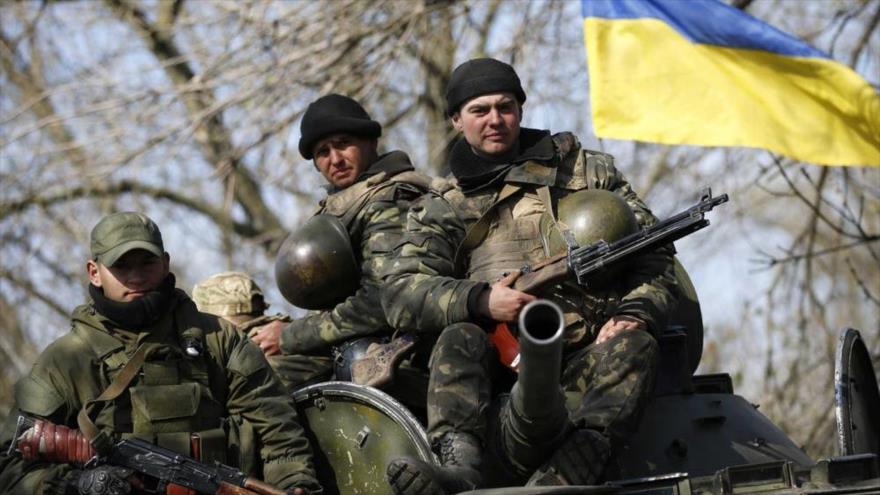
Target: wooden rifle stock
251,487
35,440
550,271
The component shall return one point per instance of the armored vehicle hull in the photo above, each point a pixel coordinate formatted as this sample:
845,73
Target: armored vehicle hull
695,437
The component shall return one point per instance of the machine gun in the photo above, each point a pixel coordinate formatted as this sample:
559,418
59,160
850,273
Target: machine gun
37,439
584,262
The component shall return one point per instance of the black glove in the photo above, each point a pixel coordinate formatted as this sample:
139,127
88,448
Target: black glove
105,480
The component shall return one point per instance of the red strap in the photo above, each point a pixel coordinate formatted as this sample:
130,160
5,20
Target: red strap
507,345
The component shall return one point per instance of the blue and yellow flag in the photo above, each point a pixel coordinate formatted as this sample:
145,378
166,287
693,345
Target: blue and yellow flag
701,72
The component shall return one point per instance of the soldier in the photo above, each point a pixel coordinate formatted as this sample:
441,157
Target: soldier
235,297
370,194
201,388
454,270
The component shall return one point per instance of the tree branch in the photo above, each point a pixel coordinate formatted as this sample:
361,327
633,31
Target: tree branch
214,138
245,229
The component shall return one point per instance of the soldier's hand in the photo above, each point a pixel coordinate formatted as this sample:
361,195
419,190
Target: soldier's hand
105,480
306,491
501,302
268,337
306,487
617,324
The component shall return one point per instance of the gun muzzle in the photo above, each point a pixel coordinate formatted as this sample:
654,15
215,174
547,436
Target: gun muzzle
535,419
540,338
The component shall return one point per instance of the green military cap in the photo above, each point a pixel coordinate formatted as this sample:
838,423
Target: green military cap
229,294
119,233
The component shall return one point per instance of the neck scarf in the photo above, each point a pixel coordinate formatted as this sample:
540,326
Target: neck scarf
139,313
475,172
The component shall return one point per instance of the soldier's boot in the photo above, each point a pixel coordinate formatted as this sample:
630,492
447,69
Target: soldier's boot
580,460
460,456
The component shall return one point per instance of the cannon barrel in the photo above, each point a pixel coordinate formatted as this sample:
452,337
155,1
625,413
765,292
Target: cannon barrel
534,420
540,339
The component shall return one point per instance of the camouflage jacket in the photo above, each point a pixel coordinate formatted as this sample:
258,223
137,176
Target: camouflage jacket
373,211
425,291
231,378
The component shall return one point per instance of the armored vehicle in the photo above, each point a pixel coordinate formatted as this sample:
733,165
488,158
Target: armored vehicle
695,437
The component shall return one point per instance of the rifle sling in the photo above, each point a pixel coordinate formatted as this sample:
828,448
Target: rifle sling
544,195
99,439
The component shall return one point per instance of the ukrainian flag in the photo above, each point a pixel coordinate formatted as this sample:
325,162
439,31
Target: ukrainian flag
701,72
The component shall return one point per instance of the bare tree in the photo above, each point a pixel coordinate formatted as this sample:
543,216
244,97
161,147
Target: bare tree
190,112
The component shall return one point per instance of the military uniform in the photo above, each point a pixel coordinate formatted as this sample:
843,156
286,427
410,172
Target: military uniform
605,384
235,297
227,395
372,211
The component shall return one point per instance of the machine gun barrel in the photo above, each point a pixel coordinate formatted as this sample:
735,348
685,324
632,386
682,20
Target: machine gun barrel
586,260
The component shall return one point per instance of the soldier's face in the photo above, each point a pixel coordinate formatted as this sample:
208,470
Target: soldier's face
133,275
490,123
341,158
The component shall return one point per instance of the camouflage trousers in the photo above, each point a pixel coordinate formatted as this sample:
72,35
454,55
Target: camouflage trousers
606,387
459,384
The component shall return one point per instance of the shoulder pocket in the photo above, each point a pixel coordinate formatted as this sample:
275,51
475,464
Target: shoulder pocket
36,397
247,359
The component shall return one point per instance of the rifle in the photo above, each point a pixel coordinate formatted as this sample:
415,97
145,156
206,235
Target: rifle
586,261
37,439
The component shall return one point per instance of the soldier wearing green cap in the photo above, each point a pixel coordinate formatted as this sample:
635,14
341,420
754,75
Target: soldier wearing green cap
454,272
202,388
369,193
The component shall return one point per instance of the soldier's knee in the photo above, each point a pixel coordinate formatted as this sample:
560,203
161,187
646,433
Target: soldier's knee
632,344
464,334
641,340
460,341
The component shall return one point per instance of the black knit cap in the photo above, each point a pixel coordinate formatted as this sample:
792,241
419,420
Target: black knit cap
334,114
478,77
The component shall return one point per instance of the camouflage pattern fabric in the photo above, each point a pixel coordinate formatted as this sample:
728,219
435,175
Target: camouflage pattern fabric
231,374
235,294
459,388
426,292
423,291
229,294
294,370
606,385
373,210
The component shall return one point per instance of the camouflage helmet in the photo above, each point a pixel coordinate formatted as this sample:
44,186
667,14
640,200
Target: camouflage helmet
585,217
229,294
316,267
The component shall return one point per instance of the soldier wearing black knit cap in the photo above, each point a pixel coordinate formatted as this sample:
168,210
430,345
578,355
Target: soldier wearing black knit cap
454,272
370,194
